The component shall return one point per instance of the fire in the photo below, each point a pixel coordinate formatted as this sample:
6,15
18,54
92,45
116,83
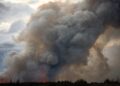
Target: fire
3,80
43,74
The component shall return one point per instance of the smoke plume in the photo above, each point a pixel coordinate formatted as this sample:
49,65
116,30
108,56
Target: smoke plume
61,42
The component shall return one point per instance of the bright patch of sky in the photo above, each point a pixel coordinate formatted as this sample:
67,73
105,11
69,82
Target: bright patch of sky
4,26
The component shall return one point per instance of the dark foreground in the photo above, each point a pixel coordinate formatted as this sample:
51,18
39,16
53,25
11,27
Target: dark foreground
65,83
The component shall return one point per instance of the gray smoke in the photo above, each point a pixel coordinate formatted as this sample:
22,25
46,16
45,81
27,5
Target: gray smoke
61,37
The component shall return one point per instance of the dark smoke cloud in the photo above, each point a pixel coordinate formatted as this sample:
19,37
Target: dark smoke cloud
61,37
107,10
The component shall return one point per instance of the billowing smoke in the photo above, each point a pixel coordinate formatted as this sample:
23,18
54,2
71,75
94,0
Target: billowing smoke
60,43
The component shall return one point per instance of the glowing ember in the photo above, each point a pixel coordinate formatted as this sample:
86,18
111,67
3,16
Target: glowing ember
43,74
3,80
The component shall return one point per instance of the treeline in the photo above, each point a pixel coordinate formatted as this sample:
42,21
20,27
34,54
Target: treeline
65,83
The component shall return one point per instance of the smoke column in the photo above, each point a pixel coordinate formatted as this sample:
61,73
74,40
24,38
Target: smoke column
61,37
